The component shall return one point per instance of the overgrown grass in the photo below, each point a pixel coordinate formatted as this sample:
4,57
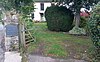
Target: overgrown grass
58,44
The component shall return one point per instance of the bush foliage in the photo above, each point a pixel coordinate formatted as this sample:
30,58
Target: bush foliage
83,22
94,25
94,28
59,18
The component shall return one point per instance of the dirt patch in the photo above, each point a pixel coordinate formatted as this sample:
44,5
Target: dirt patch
75,51
39,50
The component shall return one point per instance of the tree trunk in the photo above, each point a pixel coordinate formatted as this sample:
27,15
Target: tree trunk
77,19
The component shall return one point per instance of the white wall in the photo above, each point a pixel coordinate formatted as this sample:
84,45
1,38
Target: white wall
37,12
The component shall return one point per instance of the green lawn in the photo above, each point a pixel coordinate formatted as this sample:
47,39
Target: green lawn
58,44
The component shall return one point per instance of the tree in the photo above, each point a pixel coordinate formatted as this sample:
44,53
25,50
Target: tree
75,6
20,3
16,4
7,4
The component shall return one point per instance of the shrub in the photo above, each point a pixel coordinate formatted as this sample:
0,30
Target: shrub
59,18
94,25
94,29
83,22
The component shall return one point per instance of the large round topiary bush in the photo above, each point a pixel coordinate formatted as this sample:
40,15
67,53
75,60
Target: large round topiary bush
59,18
94,29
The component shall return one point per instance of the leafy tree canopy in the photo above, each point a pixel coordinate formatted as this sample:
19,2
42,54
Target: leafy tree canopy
16,4
76,4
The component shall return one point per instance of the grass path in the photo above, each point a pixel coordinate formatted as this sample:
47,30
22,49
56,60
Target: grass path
59,44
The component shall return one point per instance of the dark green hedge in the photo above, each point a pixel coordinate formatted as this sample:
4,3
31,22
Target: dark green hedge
94,29
59,18
94,25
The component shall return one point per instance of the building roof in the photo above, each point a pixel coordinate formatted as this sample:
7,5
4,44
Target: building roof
43,0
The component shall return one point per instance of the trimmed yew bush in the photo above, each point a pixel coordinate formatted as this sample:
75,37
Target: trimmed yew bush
59,18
